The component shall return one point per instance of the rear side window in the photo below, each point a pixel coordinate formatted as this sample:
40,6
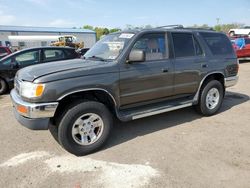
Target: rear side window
183,45
53,55
70,54
218,43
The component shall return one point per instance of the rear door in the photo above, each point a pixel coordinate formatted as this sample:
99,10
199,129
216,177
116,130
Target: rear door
151,79
189,59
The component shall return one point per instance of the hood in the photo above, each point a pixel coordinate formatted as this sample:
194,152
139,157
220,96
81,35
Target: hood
61,70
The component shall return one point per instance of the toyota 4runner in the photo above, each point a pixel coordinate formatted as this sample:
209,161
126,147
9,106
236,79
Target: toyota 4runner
128,75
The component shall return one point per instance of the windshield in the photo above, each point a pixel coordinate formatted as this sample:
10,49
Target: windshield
109,47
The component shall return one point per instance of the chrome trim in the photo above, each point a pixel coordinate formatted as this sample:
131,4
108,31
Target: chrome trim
161,111
196,97
231,81
35,110
89,89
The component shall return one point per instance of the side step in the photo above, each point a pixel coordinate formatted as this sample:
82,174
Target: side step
150,110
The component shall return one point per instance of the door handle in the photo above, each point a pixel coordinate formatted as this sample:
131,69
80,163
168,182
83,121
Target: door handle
204,66
165,70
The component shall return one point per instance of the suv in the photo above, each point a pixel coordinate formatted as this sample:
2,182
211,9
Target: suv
127,75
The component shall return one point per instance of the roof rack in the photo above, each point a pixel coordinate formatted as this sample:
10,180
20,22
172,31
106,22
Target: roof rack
171,26
200,28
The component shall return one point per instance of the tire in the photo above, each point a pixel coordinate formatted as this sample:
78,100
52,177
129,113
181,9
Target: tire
209,104
3,86
76,124
232,34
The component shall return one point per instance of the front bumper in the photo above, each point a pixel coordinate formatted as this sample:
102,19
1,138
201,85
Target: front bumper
231,81
34,116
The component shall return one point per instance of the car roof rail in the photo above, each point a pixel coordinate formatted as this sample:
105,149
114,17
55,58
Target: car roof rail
200,28
171,26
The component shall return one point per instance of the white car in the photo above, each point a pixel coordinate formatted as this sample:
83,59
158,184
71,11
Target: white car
242,31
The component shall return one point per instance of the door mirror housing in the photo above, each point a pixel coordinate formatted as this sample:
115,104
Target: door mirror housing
136,56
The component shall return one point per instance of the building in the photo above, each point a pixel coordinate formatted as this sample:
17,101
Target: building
82,35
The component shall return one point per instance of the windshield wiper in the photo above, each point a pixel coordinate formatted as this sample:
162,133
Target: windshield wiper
97,58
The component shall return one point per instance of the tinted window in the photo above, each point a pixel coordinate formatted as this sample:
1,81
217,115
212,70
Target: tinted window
183,44
27,58
153,45
218,43
70,53
53,55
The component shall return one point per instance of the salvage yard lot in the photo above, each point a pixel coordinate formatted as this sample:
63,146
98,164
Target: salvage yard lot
175,149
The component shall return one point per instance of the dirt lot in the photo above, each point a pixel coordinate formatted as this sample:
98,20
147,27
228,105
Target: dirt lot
176,149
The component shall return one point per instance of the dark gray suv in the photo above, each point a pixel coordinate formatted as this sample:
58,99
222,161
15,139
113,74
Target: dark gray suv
128,75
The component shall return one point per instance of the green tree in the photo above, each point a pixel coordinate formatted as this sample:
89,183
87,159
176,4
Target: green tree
88,27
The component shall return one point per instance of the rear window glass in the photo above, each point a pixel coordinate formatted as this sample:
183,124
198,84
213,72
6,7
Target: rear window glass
183,44
218,43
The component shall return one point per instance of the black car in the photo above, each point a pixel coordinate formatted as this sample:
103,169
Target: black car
9,65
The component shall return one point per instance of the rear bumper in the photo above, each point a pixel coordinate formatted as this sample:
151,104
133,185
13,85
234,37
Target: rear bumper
231,81
35,116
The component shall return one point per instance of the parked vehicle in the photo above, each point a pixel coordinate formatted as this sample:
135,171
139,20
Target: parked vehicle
32,56
241,31
25,41
242,48
128,75
4,51
68,40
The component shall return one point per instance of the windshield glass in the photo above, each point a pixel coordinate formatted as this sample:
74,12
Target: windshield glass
109,47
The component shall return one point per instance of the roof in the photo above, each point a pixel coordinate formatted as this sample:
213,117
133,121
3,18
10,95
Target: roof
43,29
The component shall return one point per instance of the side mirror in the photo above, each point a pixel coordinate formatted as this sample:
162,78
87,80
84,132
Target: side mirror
136,56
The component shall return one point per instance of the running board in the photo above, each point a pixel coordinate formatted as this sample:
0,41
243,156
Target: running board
137,113
161,111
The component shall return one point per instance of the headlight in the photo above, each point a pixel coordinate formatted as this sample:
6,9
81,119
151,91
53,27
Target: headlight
31,90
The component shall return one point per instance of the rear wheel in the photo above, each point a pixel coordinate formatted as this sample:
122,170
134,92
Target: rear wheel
3,86
85,128
232,33
211,98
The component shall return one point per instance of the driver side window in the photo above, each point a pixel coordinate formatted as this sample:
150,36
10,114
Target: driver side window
153,45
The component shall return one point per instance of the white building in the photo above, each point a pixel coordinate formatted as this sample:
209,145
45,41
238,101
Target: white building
82,35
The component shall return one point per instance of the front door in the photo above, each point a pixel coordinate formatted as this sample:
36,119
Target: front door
151,79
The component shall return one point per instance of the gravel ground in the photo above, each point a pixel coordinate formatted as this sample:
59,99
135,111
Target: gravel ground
175,149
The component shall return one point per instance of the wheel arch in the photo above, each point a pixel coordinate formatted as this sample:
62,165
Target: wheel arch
211,76
92,94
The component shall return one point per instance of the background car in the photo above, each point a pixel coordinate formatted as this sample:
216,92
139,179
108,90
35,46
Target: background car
242,48
4,51
241,31
10,64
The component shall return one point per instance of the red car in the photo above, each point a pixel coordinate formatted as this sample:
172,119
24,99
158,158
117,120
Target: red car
4,51
243,52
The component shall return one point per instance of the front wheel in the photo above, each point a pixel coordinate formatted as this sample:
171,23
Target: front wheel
211,98
85,128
